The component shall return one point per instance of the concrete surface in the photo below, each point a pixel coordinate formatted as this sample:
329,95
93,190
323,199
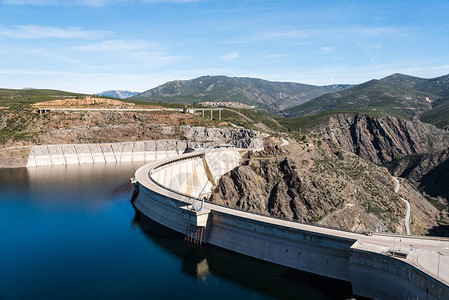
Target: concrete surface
407,205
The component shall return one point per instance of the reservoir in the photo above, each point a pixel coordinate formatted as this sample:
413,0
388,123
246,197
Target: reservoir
70,232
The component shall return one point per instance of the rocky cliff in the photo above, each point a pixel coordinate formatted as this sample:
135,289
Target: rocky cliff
315,184
428,171
237,137
382,139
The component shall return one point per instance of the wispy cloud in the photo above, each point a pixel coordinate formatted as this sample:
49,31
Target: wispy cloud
42,32
320,32
120,46
88,2
231,56
145,52
327,49
274,55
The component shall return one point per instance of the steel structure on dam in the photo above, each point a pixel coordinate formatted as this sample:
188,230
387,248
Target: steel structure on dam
166,190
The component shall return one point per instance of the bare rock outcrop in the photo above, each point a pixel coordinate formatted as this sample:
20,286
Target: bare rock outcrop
241,138
382,139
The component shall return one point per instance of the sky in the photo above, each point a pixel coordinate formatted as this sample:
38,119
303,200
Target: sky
89,46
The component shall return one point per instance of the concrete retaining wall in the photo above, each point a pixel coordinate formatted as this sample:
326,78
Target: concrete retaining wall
302,250
379,276
70,154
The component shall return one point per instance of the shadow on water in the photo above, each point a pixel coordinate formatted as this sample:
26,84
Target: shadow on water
199,261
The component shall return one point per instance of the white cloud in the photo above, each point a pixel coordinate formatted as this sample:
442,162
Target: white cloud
43,32
327,49
231,56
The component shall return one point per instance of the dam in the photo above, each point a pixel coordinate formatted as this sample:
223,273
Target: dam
171,192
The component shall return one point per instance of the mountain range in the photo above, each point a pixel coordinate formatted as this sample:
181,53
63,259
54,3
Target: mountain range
274,96
118,94
372,97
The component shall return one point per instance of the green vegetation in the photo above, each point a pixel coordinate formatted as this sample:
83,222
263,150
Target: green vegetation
272,96
249,120
10,97
439,115
373,97
17,120
304,124
436,86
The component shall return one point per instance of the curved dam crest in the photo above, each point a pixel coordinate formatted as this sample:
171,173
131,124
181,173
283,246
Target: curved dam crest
165,191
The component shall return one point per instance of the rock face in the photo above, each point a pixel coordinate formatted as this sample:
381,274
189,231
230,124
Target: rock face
241,138
428,171
381,139
315,184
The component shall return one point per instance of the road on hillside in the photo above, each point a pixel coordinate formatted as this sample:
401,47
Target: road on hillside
407,215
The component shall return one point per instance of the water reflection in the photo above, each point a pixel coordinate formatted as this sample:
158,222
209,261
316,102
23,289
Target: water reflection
73,186
272,280
65,234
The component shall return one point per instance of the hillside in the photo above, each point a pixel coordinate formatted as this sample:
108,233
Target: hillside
438,86
428,171
118,94
373,97
29,96
439,114
273,96
414,150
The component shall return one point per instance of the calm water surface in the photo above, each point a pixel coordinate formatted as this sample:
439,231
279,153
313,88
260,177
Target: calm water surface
71,233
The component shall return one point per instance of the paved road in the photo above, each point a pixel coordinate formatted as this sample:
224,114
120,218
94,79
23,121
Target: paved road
335,212
407,214
107,109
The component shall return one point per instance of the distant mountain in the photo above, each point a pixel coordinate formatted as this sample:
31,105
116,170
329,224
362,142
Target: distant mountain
372,97
274,96
438,86
118,94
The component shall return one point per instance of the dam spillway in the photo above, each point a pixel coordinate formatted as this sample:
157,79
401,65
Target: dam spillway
168,188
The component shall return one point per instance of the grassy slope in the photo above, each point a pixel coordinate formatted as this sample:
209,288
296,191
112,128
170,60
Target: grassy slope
20,97
438,86
439,115
372,97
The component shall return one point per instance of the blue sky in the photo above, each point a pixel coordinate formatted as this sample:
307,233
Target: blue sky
95,45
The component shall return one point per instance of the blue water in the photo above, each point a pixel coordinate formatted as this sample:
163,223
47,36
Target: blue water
71,233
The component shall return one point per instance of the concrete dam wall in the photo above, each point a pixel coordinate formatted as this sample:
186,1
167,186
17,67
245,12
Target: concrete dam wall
69,154
360,259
